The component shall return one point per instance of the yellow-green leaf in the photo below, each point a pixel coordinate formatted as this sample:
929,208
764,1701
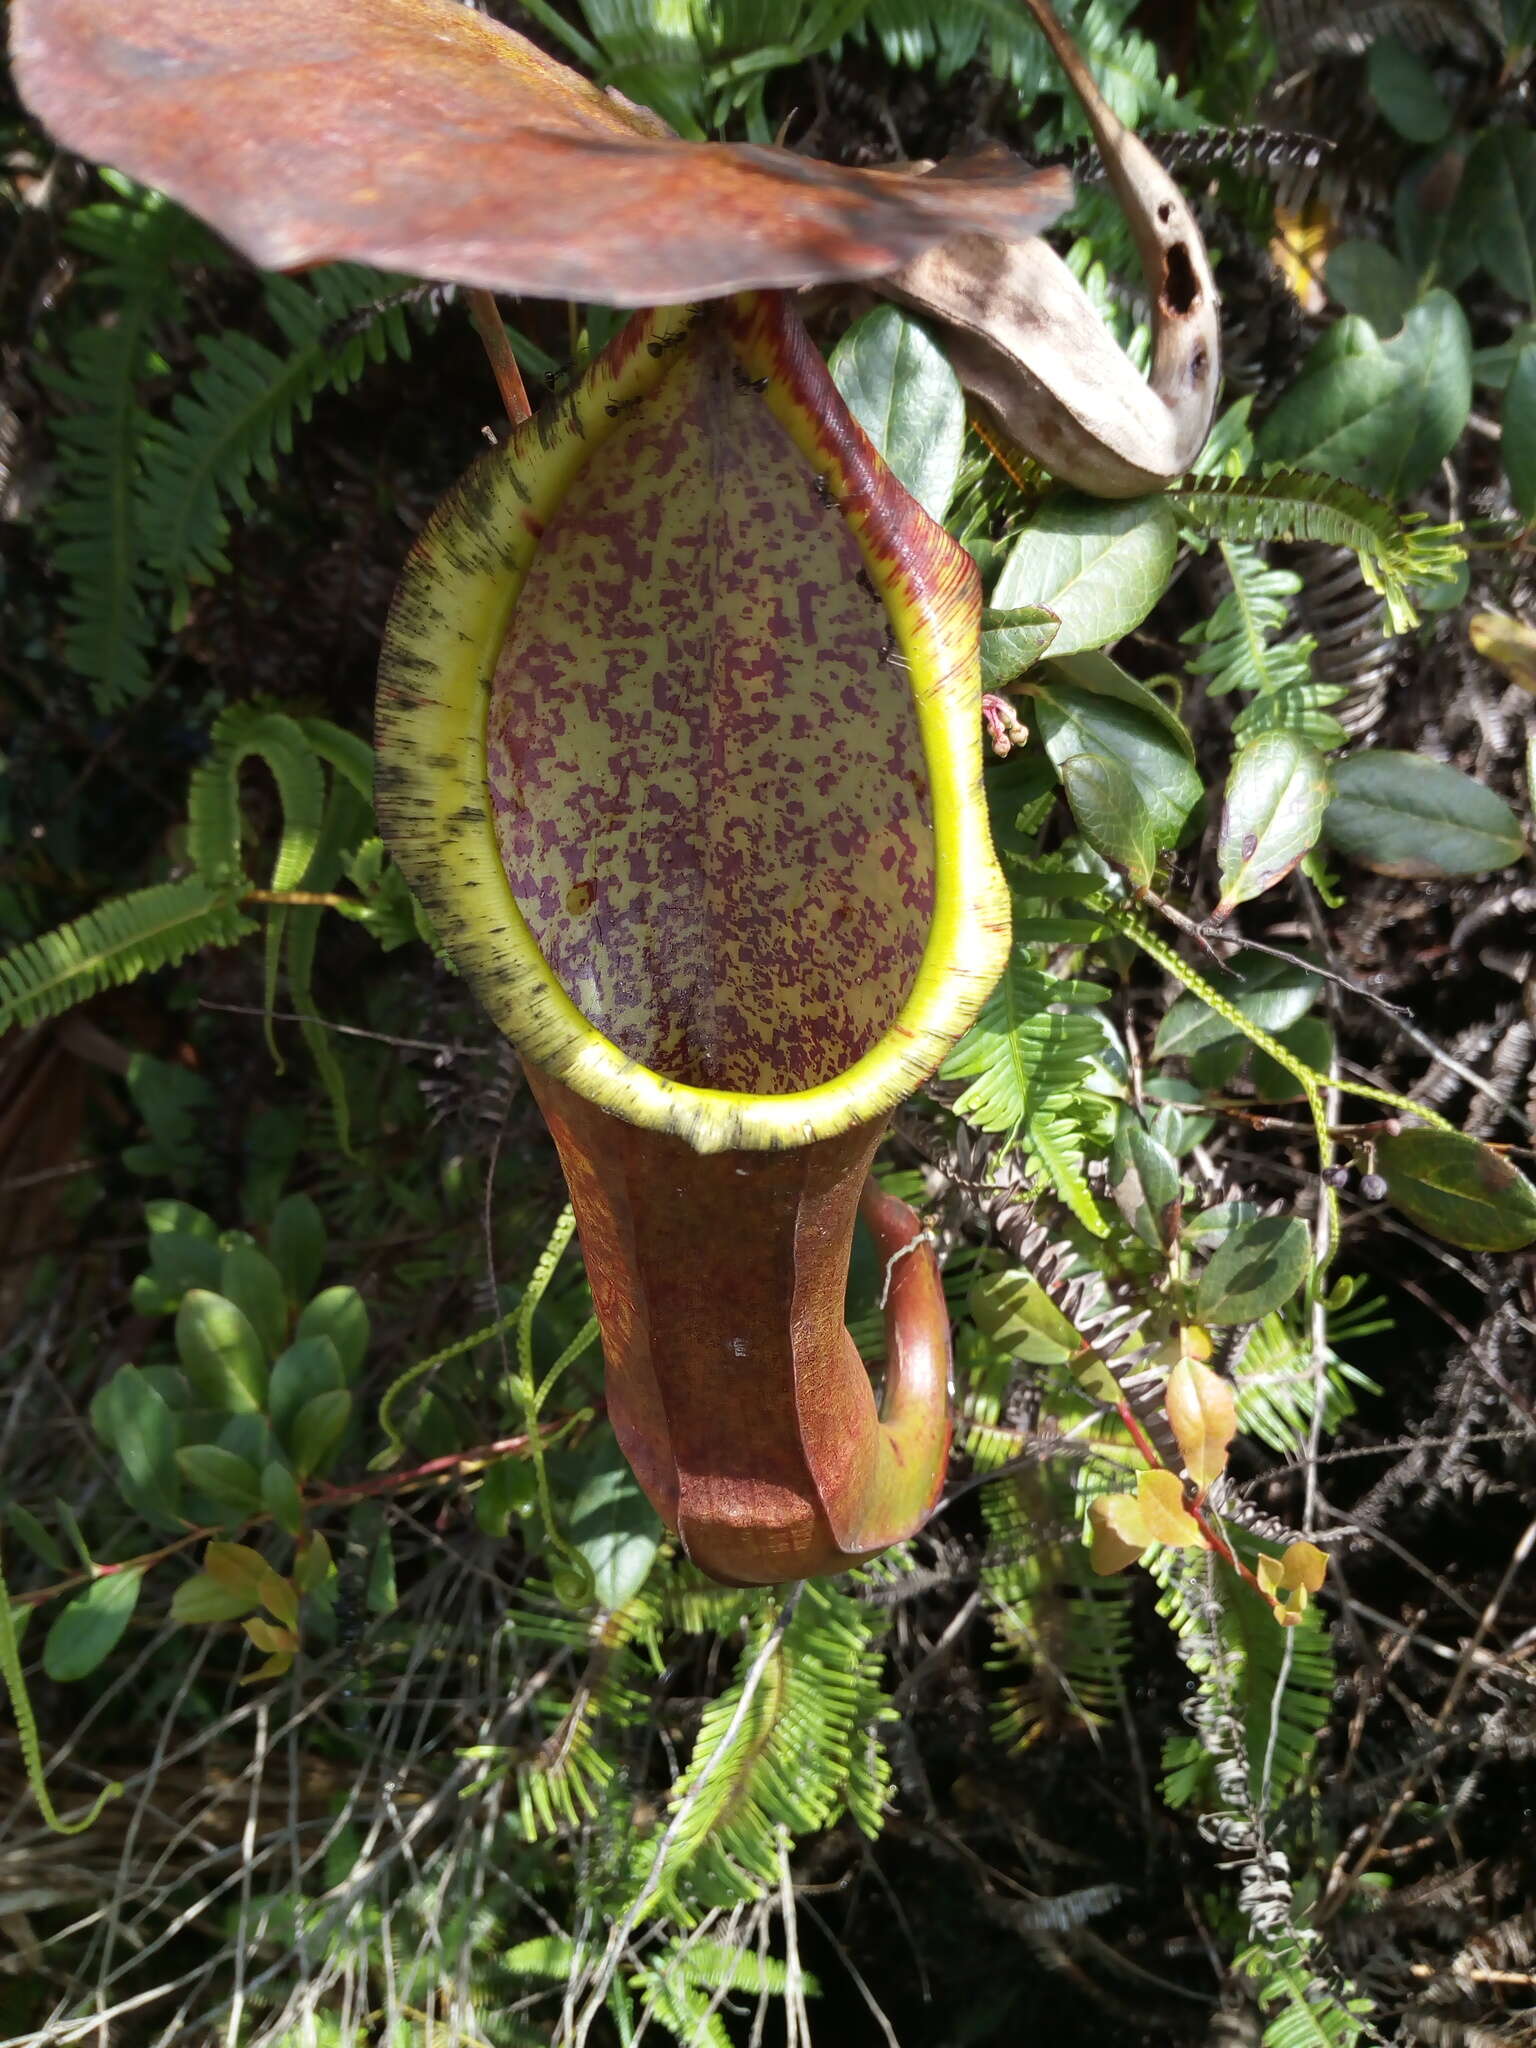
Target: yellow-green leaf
1202,1411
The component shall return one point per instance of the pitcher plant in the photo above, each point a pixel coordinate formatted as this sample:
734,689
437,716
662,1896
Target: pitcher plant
679,743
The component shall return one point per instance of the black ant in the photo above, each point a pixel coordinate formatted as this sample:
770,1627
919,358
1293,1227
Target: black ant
746,383
621,408
825,493
663,342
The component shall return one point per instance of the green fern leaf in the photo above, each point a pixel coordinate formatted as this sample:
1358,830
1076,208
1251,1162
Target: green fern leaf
100,427
1296,504
243,407
115,943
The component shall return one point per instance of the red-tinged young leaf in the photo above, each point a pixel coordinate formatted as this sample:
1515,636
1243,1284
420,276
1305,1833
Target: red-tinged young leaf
1202,1411
423,136
1160,1497
1119,1532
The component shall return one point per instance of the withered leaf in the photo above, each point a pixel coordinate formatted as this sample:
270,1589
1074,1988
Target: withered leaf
421,136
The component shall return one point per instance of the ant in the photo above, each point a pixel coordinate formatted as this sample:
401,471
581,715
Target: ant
825,493
663,342
621,408
746,383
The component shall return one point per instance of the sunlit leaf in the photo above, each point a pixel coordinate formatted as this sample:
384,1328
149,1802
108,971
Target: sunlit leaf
91,1626
1098,567
1458,1189
1202,1412
899,387
1253,1271
1277,792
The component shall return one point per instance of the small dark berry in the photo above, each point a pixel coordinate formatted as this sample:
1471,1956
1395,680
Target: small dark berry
1336,1176
1373,1188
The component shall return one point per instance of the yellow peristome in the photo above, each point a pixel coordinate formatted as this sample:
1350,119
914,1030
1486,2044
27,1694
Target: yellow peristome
446,633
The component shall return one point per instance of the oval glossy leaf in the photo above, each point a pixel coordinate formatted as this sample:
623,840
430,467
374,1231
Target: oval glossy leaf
1099,567
306,1370
1497,202
340,1314
230,1480
221,1354
617,1531
1112,814
1144,1183
249,1279
899,387
1277,793
201,1599
1404,88
280,1497
1088,705
137,1423
1458,1190
1403,814
91,1626
298,1244
1509,643
1369,280
1012,641
423,136
317,1430
1256,1269
179,1260
1386,416
1518,432
1014,1311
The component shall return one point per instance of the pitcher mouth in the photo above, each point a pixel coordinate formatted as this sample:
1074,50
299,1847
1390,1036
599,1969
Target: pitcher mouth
679,744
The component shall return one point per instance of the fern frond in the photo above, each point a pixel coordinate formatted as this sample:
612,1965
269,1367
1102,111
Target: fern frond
563,1784
1238,645
1027,1063
243,406
115,943
1394,550
1071,1628
803,1751
100,428
213,802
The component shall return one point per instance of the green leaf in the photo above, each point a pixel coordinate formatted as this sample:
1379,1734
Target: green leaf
1087,705
1144,1182
1270,993
298,1244
1099,566
280,1497
179,1219
1257,1268
1277,793
1519,432
339,1314
1404,88
1014,1311
899,387
231,1481
135,1421
202,1599
91,1626
1368,280
1112,814
317,1430
1458,1190
306,1370
380,1595
1497,204
31,1531
617,1531
220,1353
250,1280
179,1261
1013,641
1386,416
1311,1040
1434,237
1403,814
